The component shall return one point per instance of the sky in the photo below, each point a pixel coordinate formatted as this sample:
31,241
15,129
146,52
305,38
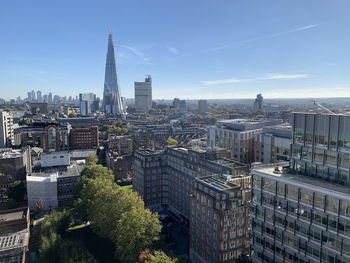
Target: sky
194,49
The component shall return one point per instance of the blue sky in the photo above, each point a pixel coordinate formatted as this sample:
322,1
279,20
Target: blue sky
192,48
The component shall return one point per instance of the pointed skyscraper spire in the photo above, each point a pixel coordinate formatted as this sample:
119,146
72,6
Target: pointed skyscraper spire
112,103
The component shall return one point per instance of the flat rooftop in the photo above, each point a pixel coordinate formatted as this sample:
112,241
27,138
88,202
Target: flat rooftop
303,181
219,183
74,169
8,153
228,163
248,124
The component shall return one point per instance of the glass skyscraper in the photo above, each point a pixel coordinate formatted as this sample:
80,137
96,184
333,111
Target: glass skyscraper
112,103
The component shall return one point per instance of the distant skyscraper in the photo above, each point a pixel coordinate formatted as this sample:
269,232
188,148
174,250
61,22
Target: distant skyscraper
258,103
202,106
39,98
29,96
33,95
50,98
143,95
112,103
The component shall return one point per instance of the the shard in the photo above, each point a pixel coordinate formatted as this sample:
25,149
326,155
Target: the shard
112,103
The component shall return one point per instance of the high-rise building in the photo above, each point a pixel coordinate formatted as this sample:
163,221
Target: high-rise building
112,103
301,212
33,96
39,97
50,98
202,106
143,95
86,101
258,103
6,129
29,95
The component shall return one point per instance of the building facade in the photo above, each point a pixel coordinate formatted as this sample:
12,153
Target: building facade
143,95
300,210
50,136
6,130
274,144
14,235
219,219
84,138
202,106
240,137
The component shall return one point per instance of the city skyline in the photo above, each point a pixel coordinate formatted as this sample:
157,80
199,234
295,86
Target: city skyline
228,50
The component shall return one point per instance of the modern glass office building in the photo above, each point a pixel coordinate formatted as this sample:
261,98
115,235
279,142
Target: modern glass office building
300,211
321,146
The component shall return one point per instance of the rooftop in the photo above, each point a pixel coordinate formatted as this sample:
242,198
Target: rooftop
74,169
248,124
302,181
228,163
7,153
219,183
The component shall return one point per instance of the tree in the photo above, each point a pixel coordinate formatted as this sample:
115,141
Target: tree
53,228
172,141
160,257
117,214
93,171
157,256
91,159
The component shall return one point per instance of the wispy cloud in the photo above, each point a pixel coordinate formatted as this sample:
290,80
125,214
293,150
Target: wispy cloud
173,50
264,37
272,76
269,76
138,54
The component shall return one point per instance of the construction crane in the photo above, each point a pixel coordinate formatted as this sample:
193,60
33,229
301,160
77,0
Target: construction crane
323,107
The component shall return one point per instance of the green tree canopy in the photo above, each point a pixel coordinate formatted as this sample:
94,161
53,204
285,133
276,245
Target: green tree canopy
172,141
91,159
157,256
117,214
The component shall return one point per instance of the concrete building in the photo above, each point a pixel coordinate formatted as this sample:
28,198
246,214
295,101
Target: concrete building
14,235
258,103
50,136
14,166
169,181
179,105
119,164
6,129
202,106
123,144
219,219
38,108
274,143
143,95
300,210
239,136
53,187
171,174
84,138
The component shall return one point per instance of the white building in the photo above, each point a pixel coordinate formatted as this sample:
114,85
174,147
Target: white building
6,129
42,192
143,95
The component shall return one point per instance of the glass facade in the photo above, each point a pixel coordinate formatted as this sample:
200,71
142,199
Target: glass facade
321,146
295,222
